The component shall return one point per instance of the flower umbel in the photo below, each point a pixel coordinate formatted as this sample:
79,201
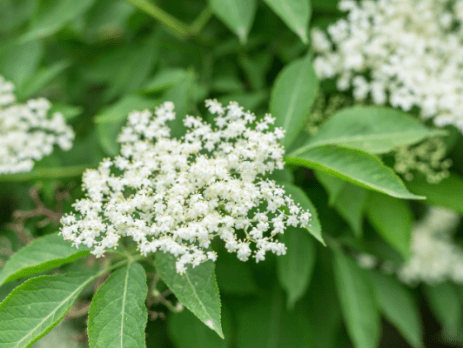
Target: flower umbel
26,133
178,195
407,53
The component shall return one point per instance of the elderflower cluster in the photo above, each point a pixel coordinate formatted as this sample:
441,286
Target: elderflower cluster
408,53
177,195
26,133
435,257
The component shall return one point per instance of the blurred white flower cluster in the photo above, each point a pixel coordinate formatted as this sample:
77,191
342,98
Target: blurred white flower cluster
404,52
435,258
26,134
178,195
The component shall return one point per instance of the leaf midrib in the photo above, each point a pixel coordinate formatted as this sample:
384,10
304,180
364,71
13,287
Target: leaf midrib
124,296
355,138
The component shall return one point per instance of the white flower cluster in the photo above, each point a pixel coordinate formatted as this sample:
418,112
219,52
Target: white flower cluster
26,134
404,52
435,257
177,195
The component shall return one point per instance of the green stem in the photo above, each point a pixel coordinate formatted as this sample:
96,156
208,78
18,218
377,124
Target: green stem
177,26
47,173
118,264
201,21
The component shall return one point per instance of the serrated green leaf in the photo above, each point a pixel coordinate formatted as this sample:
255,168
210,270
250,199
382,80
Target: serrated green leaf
295,268
392,219
42,254
237,15
295,14
355,166
446,193
53,15
357,302
265,323
292,97
445,304
196,289
118,315
299,196
398,306
372,129
37,305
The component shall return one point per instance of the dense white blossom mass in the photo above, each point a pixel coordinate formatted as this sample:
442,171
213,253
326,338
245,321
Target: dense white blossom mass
178,195
403,52
26,133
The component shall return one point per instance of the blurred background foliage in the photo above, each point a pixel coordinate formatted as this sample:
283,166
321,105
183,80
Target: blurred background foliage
97,60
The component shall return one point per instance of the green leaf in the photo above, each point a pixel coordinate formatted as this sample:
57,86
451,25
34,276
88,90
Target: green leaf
248,100
199,336
355,166
181,95
36,306
357,302
372,129
19,61
334,186
292,97
299,196
234,276
447,193
111,120
165,79
237,15
42,254
398,306
445,304
68,111
295,13
117,315
196,289
295,268
392,219
350,204
40,80
53,15
265,323
134,70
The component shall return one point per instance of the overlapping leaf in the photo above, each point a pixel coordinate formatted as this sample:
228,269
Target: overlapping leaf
196,289
42,254
36,306
355,166
292,97
117,316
